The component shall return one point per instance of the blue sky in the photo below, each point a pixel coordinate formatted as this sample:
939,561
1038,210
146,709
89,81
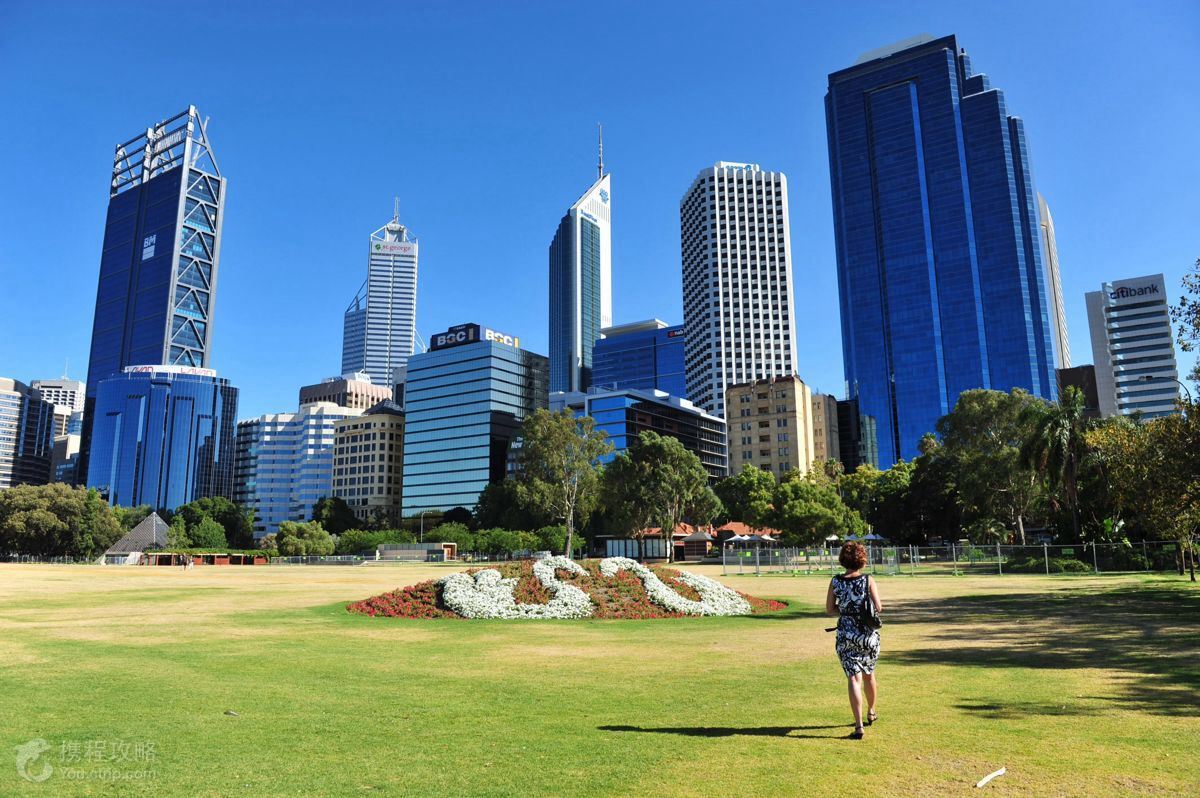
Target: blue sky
481,117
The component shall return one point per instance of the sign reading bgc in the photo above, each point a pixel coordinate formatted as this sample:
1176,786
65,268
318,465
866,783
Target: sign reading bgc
408,248
469,334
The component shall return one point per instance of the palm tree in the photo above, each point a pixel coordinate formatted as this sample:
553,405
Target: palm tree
1056,446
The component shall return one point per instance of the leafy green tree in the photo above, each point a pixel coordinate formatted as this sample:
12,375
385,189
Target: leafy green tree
355,541
1187,316
452,533
747,495
1056,445
56,520
705,508
208,534
807,512
268,543
236,523
625,495
459,515
177,534
560,455
334,515
129,517
303,539
507,504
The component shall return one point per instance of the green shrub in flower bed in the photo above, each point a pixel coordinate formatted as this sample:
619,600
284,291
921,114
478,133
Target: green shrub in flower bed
1039,565
621,595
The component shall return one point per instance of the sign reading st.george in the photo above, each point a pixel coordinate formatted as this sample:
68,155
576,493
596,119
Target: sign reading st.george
393,248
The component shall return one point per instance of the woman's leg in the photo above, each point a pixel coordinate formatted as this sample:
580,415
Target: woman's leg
869,688
854,686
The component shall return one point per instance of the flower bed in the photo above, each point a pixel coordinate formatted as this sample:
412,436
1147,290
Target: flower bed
561,588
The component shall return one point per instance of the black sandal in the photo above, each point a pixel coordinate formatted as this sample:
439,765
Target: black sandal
872,716
857,734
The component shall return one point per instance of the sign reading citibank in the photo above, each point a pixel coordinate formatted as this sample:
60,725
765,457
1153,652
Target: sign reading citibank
469,334
393,247
1131,291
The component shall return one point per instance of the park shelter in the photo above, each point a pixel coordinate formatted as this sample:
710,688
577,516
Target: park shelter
697,545
151,533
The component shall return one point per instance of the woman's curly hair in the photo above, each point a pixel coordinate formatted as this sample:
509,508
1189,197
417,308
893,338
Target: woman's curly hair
853,556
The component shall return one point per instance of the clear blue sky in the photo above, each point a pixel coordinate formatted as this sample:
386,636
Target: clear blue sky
481,117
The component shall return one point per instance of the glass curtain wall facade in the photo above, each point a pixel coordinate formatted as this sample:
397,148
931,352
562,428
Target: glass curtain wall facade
26,435
580,287
163,436
285,463
644,355
464,406
158,270
380,326
938,242
625,414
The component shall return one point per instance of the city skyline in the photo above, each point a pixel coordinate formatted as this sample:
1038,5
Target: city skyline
657,158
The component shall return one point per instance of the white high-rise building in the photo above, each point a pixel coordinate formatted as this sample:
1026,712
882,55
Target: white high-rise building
1057,313
1133,347
66,396
737,281
580,286
379,331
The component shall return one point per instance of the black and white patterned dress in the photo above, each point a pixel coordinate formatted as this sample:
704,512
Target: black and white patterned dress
857,648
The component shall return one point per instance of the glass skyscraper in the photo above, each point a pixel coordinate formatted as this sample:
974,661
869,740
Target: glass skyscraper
580,286
163,436
646,355
158,270
379,328
465,400
26,435
938,239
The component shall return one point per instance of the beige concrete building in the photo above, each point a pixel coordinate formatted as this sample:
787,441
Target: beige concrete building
770,423
368,462
355,391
825,428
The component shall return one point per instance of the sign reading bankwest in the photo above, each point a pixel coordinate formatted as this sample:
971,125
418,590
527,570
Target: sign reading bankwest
469,334
393,247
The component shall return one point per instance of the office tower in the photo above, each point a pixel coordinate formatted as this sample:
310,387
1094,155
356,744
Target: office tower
1082,378
770,425
163,436
356,391
1058,313
580,284
826,437
380,325
26,435
625,413
858,437
465,400
284,463
938,245
737,281
1133,347
368,462
66,396
644,355
158,270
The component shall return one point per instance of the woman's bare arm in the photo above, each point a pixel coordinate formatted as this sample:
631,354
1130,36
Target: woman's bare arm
830,604
875,596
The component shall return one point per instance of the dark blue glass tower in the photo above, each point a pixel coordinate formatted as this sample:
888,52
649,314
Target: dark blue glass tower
938,243
646,355
163,436
158,269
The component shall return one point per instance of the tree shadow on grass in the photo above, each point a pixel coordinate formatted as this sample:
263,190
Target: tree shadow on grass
735,731
1146,634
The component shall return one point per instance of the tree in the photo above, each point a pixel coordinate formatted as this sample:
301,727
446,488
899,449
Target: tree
177,534
458,515
129,517
237,523
1056,446
208,534
303,539
560,454
355,541
1187,315
705,507
624,494
507,504
56,520
334,515
807,512
453,533
656,480
747,494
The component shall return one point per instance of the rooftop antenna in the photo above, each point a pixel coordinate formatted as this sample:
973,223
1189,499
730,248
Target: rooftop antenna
396,211
600,165
66,367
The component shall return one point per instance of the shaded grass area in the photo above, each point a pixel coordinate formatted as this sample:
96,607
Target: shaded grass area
1046,679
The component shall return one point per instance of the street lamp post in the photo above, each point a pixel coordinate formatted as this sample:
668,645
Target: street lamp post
1152,378
423,512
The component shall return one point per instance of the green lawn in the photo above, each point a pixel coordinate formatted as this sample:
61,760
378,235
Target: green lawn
1078,685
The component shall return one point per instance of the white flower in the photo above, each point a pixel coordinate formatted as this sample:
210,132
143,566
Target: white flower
488,595
715,598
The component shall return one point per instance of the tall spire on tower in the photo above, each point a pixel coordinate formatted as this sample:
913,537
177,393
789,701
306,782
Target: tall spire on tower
396,210
600,165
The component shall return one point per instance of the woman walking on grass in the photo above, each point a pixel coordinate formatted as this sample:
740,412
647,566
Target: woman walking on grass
857,643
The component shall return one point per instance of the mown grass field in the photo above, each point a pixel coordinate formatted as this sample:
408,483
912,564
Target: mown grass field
1079,686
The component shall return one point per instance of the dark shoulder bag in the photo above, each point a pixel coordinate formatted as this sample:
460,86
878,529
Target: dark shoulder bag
868,618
